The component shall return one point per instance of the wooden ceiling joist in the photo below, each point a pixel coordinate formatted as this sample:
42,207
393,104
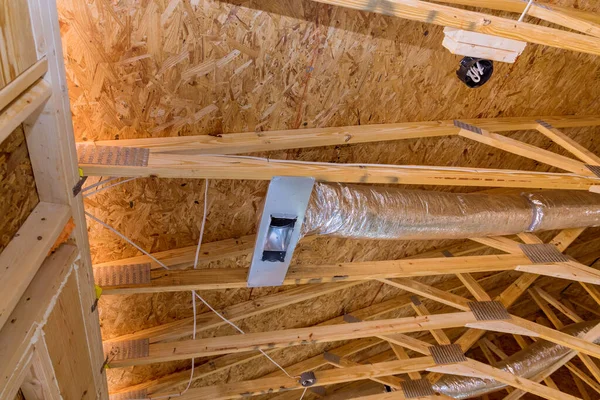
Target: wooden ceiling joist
248,168
473,21
581,21
205,279
247,142
186,349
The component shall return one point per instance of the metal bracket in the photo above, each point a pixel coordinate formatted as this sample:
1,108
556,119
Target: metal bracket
112,155
279,230
594,168
351,319
543,253
126,349
417,388
332,358
307,379
447,354
488,310
116,275
468,127
544,124
79,185
415,300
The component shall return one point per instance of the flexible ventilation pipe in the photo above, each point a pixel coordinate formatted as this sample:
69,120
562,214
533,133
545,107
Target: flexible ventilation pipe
372,212
527,363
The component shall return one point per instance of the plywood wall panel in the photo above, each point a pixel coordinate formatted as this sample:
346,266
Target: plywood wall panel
17,46
17,186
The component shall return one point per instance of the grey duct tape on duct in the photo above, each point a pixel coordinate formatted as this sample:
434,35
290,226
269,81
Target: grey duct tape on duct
527,363
375,212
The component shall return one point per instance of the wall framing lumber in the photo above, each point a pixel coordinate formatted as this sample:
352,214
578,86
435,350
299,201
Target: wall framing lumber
28,315
22,258
25,105
473,21
14,89
245,142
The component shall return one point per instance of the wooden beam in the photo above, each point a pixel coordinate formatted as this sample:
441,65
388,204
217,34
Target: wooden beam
518,6
500,243
569,144
570,270
542,298
209,320
246,142
28,316
474,287
391,381
163,165
21,108
473,21
21,259
429,292
527,150
592,291
204,279
563,308
401,354
328,377
374,311
475,368
14,89
537,330
186,349
183,257
438,334
567,17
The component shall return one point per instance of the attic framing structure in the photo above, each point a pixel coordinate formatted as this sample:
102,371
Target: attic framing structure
216,157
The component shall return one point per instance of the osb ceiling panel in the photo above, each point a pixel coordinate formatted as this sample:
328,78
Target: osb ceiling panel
155,68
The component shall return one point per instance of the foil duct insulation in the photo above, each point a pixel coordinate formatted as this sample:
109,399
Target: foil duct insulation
371,212
527,363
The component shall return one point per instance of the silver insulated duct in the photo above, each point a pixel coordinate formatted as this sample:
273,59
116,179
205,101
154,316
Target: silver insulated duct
372,212
527,363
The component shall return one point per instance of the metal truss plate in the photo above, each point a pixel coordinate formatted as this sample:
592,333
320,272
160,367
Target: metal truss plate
349,318
415,300
126,349
287,198
137,394
447,354
467,127
544,124
417,388
117,275
543,253
594,168
489,310
112,155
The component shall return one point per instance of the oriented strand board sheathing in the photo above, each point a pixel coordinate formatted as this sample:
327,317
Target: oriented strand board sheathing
188,67
17,186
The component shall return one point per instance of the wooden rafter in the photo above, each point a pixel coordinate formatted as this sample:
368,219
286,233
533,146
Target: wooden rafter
473,21
246,142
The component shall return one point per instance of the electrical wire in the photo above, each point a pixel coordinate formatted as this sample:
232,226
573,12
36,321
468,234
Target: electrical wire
100,182
125,238
107,187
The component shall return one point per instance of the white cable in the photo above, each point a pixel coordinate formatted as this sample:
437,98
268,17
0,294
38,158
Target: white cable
303,393
108,187
203,223
525,11
101,182
116,232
